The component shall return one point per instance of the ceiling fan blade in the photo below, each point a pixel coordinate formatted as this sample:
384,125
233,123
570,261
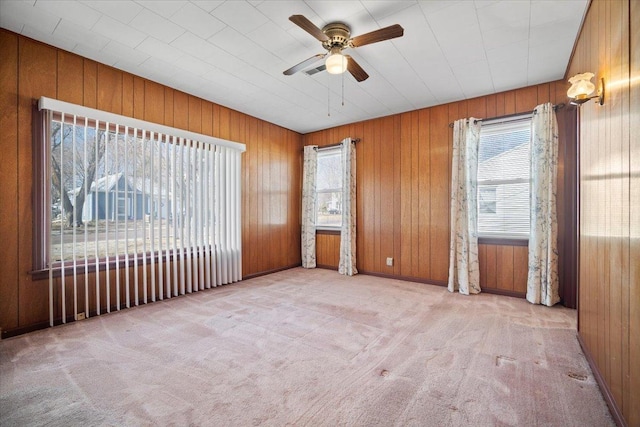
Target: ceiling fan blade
304,64
356,70
313,71
382,34
309,27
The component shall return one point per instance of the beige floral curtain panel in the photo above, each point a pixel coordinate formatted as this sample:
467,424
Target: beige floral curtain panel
309,169
347,263
464,270
542,280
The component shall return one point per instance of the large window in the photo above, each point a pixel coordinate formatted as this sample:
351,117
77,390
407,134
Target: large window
159,205
329,189
503,179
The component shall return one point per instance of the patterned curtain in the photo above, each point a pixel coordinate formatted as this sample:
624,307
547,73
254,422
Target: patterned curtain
309,169
348,231
464,271
542,281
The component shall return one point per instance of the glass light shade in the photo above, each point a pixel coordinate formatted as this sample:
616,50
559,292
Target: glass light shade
336,63
581,86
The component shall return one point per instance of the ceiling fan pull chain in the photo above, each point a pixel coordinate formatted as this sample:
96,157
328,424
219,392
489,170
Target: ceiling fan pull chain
343,89
328,95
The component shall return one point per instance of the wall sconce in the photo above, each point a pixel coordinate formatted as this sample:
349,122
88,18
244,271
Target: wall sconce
581,89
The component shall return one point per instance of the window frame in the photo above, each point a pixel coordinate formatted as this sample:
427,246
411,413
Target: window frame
500,238
42,267
326,152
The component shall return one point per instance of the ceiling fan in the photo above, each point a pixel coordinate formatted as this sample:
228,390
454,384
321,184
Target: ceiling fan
335,37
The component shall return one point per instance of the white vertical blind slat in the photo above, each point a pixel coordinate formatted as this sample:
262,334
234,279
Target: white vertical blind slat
201,233
212,218
167,246
62,206
75,221
152,216
182,212
48,202
145,209
96,201
160,201
116,209
206,208
108,217
136,295
127,195
238,214
196,217
176,217
188,201
223,219
84,221
217,216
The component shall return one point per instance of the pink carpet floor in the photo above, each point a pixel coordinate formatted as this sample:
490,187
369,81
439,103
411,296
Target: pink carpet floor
307,347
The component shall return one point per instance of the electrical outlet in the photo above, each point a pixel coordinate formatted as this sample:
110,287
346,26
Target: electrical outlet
389,262
80,316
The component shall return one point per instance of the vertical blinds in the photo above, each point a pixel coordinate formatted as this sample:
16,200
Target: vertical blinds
503,178
158,206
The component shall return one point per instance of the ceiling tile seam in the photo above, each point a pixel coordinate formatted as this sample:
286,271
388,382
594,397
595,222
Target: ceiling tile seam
377,73
147,35
275,93
303,94
162,18
484,51
407,6
57,24
203,11
409,62
426,19
396,49
128,24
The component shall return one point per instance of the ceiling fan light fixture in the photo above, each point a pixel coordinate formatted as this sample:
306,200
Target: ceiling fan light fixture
336,62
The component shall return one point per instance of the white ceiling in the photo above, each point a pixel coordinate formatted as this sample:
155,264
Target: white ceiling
234,52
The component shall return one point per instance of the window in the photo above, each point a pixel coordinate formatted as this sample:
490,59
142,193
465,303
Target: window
329,188
119,194
503,179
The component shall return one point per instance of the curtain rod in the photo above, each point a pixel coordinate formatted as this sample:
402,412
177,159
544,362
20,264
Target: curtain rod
327,147
507,116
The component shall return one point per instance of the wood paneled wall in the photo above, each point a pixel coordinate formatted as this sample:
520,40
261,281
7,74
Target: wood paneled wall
327,251
503,268
609,274
403,181
28,70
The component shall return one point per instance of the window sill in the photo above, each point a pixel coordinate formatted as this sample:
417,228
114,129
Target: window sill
328,230
503,241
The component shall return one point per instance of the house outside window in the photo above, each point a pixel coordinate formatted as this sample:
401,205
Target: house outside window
113,191
503,179
487,200
329,189
106,185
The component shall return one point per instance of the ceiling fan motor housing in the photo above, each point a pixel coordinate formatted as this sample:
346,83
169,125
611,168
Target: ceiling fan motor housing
338,33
